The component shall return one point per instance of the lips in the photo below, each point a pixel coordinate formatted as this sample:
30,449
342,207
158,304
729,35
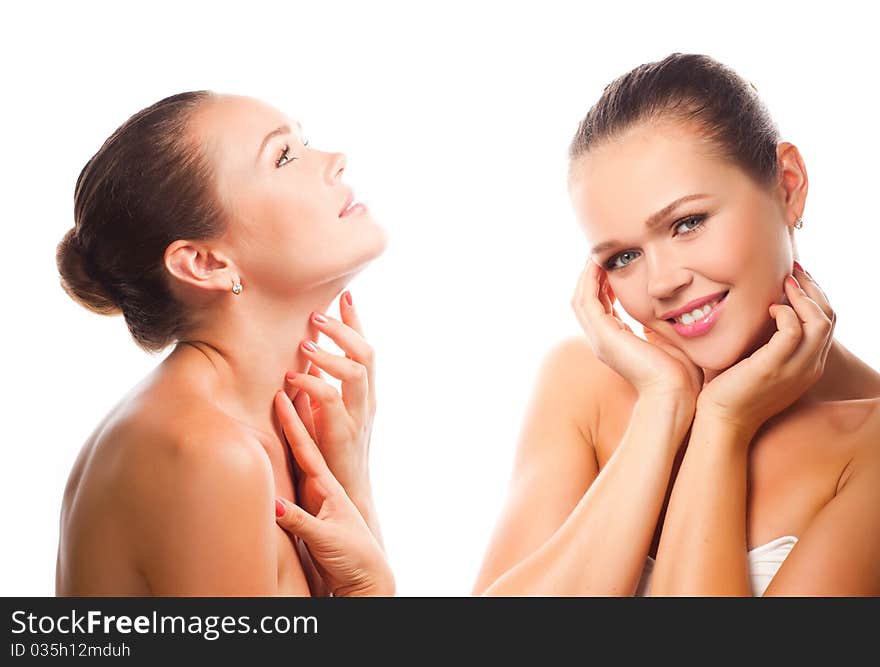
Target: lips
688,307
348,200
704,324
354,209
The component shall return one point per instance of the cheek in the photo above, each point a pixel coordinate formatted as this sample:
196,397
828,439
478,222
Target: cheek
633,299
753,255
282,219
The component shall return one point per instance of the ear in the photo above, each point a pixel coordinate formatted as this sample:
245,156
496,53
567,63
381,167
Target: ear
200,266
793,183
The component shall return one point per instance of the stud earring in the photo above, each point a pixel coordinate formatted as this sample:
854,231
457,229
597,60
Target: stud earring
799,223
236,288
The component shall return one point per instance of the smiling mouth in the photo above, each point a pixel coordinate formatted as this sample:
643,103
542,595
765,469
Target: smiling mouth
697,314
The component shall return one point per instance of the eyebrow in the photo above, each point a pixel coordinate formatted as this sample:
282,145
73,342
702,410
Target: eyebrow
284,129
652,221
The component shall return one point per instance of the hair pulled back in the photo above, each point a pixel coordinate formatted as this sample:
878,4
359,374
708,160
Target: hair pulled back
692,89
148,185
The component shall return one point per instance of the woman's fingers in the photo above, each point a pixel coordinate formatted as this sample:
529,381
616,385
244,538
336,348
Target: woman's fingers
586,291
295,520
315,371
814,291
695,373
605,295
302,403
324,396
784,341
816,313
593,308
349,313
588,298
801,329
610,298
348,336
354,378
305,451
347,339
816,324
809,312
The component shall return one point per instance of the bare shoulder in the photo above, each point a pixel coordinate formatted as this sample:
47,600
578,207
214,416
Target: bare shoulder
869,433
178,491
580,380
572,362
555,460
862,418
160,447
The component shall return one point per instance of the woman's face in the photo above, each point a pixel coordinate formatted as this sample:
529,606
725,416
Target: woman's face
284,200
732,236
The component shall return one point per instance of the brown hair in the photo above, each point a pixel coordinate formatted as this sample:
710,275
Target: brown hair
148,185
693,89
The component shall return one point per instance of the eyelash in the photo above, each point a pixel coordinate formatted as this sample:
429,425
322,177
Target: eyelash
700,217
283,154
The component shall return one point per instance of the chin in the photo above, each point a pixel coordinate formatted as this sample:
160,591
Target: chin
363,251
382,240
715,364
709,359
721,353
373,244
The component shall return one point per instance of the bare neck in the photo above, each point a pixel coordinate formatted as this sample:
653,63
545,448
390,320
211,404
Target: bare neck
845,377
243,356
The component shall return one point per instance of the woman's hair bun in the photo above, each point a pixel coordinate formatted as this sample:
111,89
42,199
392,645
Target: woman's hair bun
78,281
151,183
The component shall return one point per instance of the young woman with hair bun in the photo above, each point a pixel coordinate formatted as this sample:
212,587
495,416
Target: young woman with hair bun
212,226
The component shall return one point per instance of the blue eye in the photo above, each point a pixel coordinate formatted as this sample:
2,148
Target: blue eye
612,265
696,220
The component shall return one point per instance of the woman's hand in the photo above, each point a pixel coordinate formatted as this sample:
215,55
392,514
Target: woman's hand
343,550
777,374
340,425
654,366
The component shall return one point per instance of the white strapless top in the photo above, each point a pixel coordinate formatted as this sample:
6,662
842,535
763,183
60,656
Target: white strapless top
764,562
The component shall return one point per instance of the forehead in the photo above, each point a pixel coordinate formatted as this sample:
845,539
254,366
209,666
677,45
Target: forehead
234,125
624,180
237,112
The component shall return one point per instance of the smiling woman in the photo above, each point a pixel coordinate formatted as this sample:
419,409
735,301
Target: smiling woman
207,233
739,426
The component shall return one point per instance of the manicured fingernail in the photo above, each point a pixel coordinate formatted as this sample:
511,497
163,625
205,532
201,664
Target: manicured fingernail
794,282
798,266
290,376
279,508
310,346
347,297
805,272
320,319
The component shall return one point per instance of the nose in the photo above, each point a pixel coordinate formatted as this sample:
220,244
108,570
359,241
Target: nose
666,275
335,168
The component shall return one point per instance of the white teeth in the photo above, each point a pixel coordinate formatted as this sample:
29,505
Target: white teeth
696,314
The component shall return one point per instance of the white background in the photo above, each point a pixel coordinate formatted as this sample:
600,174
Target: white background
456,119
